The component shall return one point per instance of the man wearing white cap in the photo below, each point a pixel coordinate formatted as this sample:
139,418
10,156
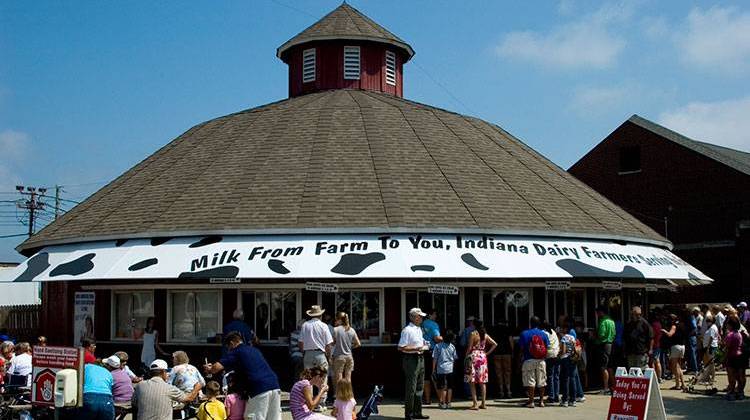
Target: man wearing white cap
316,342
122,388
153,398
411,345
743,313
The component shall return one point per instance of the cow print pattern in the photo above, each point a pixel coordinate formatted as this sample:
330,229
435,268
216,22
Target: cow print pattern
76,267
353,264
471,260
208,240
580,269
277,266
143,264
229,271
159,241
415,268
34,267
120,242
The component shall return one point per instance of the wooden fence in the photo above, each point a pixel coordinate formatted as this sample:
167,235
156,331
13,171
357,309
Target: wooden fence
20,321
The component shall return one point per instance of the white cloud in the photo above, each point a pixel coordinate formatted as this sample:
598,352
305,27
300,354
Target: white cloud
589,98
585,43
717,38
725,123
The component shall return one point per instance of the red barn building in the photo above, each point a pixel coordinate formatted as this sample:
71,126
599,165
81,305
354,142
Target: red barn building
696,194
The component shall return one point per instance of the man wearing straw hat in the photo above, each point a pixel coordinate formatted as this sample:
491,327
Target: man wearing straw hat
316,341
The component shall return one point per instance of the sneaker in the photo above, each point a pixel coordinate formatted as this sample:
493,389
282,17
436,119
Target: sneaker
730,397
572,404
740,395
563,404
443,406
448,406
581,399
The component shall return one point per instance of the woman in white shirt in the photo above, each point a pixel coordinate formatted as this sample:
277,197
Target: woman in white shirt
711,338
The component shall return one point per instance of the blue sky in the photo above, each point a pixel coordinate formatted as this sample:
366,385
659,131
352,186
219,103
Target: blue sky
88,89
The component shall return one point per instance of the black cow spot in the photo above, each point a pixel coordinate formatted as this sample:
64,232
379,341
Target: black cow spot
208,240
228,271
120,242
143,264
352,264
422,268
580,269
277,266
159,241
76,267
470,259
692,276
34,267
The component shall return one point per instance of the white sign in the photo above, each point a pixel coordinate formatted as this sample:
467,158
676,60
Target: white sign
612,285
222,280
557,285
47,361
394,256
651,288
83,316
314,286
442,289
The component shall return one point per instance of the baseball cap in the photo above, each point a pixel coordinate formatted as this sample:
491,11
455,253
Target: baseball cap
158,364
696,309
112,361
416,311
742,304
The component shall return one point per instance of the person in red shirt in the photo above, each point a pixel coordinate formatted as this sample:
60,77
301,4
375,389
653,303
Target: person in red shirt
89,347
655,355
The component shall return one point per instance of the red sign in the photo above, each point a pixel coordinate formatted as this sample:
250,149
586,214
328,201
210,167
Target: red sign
630,398
47,362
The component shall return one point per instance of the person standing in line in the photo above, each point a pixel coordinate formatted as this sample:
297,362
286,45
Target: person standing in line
477,354
150,343
345,339
677,338
444,355
295,352
710,342
238,324
605,337
534,343
655,359
691,344
153,398
743,313
502,358
316,342
431,334
736,361
639,340
251,368
412,344
568,368
552,364
719,317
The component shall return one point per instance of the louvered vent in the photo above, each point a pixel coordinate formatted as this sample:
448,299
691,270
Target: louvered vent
308,65
390,68
351,63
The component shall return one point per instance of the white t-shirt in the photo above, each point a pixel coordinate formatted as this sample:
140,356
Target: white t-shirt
720,319
315,335
411,336
711,337
554,345
21,365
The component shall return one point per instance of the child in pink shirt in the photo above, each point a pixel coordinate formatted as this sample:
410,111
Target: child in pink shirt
343,408
234,403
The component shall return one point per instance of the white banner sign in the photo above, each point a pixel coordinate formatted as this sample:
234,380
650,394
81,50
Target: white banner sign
83,316
442,289
314,286
348,256
557,285
612,285
651,288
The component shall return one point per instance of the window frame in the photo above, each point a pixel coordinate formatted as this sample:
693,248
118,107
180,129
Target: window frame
306,77
348,50
381,309
390,76
300,313
529,290
441,311
219,321
113,311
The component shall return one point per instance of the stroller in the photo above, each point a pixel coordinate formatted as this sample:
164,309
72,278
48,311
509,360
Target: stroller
371,406
704,381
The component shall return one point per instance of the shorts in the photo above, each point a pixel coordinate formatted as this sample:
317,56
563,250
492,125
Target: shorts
343,366
656,354
427,366
677,351
534,373
736,363
605,355
443,380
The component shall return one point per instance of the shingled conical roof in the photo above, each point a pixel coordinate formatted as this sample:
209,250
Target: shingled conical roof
344,161
346,23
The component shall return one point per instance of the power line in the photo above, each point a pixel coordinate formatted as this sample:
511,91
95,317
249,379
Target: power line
12,236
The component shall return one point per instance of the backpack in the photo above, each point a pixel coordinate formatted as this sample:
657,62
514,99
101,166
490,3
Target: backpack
577,351
554,345
537,348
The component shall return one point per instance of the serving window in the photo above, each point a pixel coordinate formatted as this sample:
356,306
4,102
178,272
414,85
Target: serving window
363,307
447,307
130,311
273,315
194,316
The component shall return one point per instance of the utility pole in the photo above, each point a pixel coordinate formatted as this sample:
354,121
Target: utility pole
32,203
58,188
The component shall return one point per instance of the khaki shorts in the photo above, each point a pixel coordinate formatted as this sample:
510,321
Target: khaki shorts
534,373
343,366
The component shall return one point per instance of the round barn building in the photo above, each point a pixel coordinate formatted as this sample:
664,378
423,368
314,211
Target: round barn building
344,195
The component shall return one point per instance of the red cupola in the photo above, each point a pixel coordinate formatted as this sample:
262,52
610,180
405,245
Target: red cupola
345,50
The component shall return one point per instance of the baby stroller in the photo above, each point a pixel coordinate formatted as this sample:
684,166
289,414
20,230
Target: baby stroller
371,406
704,381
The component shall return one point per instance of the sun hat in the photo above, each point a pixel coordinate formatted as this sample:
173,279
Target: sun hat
315,310
158,364
113,361
416,311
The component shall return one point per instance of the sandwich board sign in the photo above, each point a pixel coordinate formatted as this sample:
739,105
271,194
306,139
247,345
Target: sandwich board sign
47,361
636,396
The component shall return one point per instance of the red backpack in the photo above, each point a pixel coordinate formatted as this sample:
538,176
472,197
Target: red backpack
537,348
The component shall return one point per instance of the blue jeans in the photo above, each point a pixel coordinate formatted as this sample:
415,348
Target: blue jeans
691,353
569,380
578,386
97,407
553,378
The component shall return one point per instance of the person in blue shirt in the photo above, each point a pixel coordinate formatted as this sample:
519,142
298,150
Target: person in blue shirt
533,370
255,376
97,393
431,334
444,355
239,325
